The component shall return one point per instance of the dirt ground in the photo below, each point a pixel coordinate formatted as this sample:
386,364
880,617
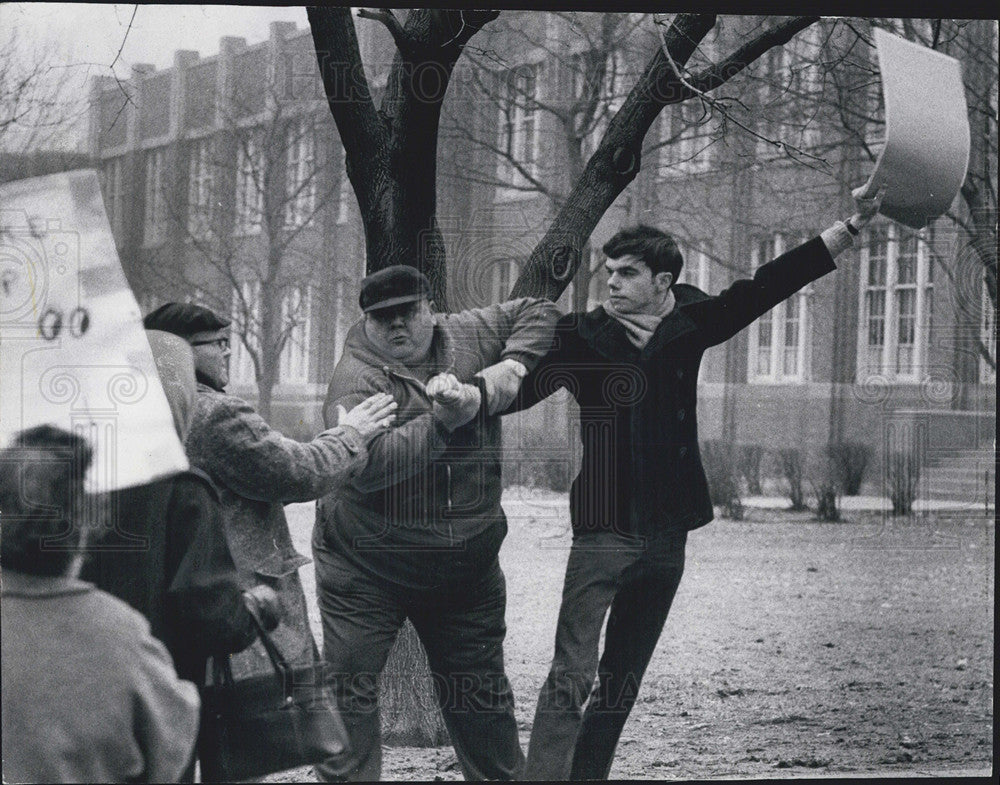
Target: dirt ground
794,648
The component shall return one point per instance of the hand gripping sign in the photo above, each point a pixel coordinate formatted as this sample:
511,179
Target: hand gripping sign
923,163
73,352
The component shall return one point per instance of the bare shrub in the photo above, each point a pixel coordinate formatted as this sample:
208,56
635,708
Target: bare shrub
850,463
750,457
723,475
824,477
527,464
791,460
902,477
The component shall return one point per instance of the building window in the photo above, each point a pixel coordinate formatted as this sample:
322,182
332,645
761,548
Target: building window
245,330
896,291
779,340
200,188
300,192
792,83
988,333
505,272
155,206
249,184
518,140
111,188
685,138
695,272
344,199
695,268
296,315
600,102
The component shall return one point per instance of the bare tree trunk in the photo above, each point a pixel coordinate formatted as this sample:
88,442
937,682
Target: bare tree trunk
410,714
391,161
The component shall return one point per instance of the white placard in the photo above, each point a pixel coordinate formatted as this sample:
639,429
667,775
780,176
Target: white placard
73,352
926,152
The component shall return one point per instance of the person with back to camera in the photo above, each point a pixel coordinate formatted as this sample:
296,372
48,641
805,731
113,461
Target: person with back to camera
89,695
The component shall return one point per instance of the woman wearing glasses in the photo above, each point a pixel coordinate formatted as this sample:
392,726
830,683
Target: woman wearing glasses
258,470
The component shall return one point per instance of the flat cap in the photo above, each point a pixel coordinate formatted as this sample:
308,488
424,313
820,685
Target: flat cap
393,285
184,319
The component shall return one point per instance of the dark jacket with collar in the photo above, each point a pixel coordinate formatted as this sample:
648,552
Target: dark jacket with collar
641,468
425,509
167,556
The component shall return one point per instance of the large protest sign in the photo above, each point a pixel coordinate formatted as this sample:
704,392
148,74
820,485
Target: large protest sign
923,162
73,352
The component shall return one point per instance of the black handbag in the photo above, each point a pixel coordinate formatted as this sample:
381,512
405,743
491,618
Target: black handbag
267,723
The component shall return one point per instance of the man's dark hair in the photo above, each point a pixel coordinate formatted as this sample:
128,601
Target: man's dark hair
41,497
657,249
184,319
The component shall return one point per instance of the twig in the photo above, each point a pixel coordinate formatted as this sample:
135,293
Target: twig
737,60
125,37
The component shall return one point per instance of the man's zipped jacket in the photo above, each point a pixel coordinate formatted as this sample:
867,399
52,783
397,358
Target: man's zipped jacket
425,509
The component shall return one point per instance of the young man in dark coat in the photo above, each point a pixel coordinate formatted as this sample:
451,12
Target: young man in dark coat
632,366
416,533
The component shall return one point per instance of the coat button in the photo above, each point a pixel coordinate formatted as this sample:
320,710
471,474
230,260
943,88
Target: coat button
680,373
680,414
682,451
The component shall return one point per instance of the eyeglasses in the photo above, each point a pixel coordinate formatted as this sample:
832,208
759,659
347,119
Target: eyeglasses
222,343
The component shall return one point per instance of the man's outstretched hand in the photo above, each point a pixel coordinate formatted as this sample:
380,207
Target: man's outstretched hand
867,206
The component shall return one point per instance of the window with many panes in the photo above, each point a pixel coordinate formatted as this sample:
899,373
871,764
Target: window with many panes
111,188
296,313
345,198
686,139
897,279
518,124
608,97
155,205
300,191
245,328
249,183
792,83
695,271
200,187
779,345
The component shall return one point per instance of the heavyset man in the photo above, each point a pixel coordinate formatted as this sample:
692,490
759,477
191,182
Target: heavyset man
417,532
632,365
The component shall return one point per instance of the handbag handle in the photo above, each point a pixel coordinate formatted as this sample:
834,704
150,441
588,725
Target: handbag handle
278,660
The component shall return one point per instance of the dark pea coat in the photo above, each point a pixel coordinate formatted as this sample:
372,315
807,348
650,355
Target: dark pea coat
641,469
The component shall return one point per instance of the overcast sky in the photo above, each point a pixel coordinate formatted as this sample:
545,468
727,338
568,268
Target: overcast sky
80,40
93,33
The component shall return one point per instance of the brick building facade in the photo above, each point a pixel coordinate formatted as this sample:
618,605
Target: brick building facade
885,350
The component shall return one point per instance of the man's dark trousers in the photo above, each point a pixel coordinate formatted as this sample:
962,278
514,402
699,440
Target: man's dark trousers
462,629
637,578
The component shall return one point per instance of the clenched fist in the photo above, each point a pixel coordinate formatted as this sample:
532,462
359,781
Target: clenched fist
455,403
